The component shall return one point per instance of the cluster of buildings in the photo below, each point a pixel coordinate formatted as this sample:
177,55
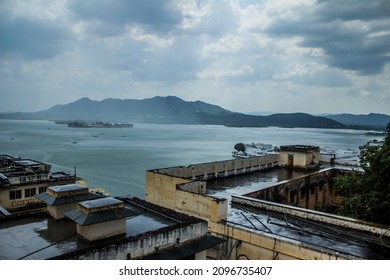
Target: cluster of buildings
275,206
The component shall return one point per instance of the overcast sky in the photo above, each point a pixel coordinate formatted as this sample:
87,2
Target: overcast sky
325,56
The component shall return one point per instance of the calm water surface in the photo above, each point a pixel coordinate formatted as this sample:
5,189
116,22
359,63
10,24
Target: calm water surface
116,158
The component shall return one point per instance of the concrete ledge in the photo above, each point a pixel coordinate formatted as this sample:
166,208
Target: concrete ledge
379,229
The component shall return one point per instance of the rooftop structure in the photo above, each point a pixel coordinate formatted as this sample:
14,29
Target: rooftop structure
100,218
299,156
269,212
63,198
150,231
21,179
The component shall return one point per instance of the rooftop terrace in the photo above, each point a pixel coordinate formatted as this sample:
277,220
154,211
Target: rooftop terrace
42,237
351,243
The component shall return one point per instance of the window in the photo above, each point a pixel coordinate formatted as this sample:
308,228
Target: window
303,193
42,189
17,194
30,192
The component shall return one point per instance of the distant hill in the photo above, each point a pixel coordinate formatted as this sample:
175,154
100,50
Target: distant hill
372,120
169,110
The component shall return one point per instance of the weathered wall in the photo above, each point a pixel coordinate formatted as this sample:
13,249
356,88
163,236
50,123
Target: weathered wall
201,206
198,187
313,215
301,159
102,230
144,245
179,187
257,245
311,191
210,170
160,189
184,195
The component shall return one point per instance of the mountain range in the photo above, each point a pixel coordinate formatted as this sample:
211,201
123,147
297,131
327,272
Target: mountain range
171,109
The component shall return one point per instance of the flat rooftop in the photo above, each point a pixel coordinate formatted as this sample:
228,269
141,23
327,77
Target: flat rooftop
353,244
249,182
42,237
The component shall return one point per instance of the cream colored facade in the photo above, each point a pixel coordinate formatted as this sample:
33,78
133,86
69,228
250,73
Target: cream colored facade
252,245
299,156
165,189
102,230
14,197
57,210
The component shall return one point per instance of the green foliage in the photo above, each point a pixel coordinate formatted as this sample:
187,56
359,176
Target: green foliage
367,195
240,147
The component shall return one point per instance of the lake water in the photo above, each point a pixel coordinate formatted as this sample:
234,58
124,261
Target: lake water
116,158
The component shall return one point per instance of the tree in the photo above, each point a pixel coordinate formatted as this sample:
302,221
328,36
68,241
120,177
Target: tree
366,195
240,147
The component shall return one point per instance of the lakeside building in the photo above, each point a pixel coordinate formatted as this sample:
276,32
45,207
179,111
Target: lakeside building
262,207
62,219
21,179
107,228
266,211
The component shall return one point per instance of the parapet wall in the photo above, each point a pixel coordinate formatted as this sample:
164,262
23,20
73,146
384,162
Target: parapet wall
217,169
311,191
308,214
183,188
201,206
248,244
151,243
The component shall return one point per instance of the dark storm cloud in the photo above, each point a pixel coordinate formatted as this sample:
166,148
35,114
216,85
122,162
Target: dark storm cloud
153,15
354,35
30,39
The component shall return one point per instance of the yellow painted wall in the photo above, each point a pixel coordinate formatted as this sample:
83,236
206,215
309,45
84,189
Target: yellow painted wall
161,189
201,206
102,230
256,245
10,204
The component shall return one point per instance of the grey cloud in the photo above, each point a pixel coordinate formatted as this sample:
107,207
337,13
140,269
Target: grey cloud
176,63
354,9
154,15
360,46
323,78
30,39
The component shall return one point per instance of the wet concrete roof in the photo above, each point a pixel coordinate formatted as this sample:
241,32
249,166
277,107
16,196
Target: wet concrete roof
67,188
246,183
101,202
351,243
42,237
